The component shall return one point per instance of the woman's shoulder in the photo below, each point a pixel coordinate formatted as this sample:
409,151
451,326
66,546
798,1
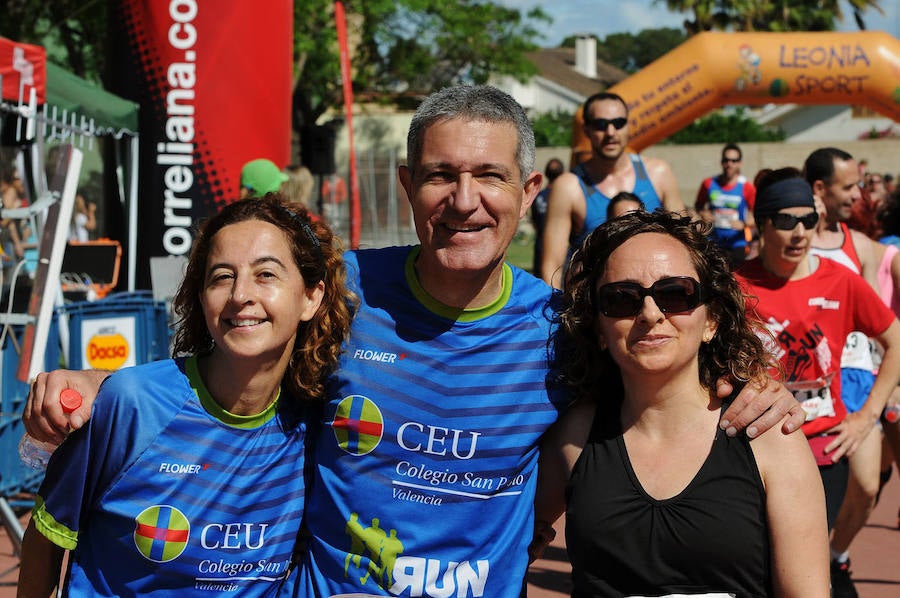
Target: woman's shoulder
145,372
776,451
575,424
133,385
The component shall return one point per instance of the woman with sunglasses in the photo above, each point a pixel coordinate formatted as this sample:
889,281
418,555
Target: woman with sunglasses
810,304
659,500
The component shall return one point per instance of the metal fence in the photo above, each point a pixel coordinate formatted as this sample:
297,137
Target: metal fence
385,215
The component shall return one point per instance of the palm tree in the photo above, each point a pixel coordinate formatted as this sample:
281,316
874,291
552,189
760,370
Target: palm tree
767,15
704,12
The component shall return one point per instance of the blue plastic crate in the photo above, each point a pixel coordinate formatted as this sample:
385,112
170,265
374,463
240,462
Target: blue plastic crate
15,477
136,317
121,330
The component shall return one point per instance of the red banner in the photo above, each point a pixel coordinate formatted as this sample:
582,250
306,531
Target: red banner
347,83
22,66
214,84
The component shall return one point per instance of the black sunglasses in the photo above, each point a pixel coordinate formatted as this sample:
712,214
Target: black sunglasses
601,124
671,295
783,221
724,160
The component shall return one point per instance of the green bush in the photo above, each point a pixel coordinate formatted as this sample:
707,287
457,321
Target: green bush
724,127
553,129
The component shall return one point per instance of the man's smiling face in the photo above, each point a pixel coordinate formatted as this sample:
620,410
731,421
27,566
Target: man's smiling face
467,195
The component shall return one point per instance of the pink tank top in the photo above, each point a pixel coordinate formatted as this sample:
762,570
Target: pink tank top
886,281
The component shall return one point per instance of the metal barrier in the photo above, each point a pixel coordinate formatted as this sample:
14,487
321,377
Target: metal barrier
15,477
24,332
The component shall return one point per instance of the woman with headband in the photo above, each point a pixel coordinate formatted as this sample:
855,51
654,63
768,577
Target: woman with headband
180,481
810,304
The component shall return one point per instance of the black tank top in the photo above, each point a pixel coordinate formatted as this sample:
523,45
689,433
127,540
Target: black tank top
712,537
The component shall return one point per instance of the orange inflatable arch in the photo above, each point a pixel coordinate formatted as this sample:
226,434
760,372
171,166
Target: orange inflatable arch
715,69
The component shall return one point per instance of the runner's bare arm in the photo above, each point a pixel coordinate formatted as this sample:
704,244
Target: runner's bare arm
558,227
856,426
666,184
41,565
561,446
795,509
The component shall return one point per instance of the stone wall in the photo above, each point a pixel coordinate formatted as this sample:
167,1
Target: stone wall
693,163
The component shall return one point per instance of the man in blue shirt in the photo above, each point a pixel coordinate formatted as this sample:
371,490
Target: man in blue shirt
727,201
424,470
578,202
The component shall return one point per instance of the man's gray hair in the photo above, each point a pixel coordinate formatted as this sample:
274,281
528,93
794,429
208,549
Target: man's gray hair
472,102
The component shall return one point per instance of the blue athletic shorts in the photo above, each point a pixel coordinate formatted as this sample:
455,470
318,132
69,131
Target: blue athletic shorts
855,387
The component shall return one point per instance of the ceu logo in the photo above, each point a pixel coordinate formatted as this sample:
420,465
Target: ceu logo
161,533
357,425
107,351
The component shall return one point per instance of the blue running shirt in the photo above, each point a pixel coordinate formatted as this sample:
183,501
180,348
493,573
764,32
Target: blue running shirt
426,459
727,204
164,493
596,202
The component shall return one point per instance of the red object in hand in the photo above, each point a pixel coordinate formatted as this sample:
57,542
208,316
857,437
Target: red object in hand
36,454
70,400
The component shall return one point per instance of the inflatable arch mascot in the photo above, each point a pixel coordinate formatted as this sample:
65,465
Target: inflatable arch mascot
714,69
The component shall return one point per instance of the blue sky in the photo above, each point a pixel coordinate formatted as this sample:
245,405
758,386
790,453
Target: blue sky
614,16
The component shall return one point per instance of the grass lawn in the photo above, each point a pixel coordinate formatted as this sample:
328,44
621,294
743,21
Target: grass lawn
521,251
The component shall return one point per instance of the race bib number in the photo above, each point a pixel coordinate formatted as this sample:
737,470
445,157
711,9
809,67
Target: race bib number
724,218
857,352
814,396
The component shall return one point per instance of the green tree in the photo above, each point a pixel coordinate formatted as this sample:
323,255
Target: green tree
821,15
398,46
408,47
632,52
619,50
650,44
766,15
553,129
73,31
724,127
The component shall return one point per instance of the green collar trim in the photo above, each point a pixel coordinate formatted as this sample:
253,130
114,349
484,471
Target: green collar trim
455,313
214,409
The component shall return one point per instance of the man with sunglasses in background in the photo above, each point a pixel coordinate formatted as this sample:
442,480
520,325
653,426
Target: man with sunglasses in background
726,200
578,200
835,179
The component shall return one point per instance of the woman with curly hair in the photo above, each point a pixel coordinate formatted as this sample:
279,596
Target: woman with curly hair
658,499
189,475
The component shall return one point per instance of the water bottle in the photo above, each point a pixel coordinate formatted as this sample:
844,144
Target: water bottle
35,453
892,413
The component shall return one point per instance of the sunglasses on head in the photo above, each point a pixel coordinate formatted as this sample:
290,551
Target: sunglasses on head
672,295
601,124
783,221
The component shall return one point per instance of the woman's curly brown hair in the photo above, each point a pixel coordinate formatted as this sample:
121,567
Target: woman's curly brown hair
583,367
318,255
